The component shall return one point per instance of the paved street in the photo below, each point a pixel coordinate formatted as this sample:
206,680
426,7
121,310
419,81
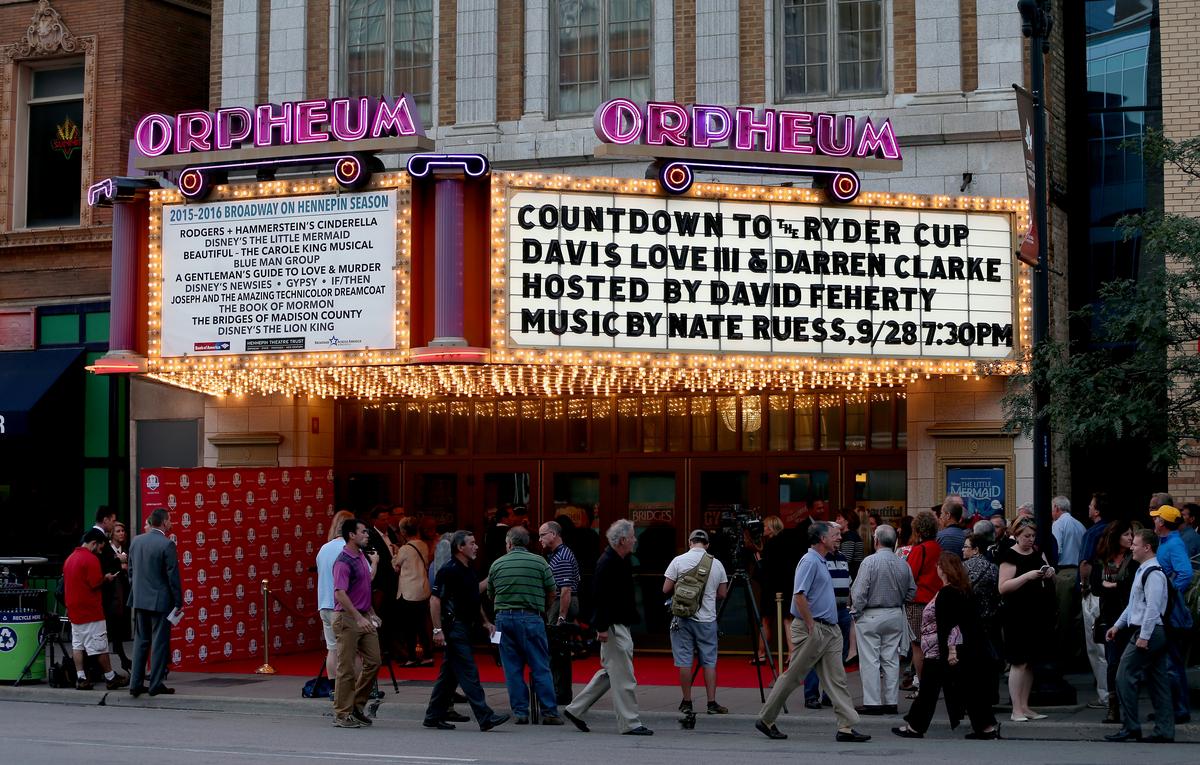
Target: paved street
37,733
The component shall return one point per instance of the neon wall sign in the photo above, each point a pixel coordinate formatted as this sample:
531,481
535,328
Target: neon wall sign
704,126
293,123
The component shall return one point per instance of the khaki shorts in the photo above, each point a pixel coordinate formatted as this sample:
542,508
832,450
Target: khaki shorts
91,637
327,615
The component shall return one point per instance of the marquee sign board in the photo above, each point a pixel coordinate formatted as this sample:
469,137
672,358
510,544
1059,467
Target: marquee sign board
632,272
282,274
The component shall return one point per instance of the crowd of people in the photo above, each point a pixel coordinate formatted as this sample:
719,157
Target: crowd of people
958,599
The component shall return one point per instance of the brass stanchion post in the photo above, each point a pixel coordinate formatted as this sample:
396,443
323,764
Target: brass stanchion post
779,632
266,668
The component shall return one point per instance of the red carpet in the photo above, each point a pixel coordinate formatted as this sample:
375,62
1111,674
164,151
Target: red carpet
652,669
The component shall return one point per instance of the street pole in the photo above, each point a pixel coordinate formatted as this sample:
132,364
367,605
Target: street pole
1036,23
1050,688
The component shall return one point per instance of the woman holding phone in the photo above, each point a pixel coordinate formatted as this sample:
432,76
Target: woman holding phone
1027,592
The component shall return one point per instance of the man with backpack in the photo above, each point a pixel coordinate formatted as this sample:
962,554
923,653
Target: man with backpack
1146,653
1173,557
696,581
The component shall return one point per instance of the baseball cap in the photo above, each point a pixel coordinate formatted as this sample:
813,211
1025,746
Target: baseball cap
699,535
1167,513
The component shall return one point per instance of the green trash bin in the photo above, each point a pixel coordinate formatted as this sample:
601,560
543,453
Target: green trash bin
20,640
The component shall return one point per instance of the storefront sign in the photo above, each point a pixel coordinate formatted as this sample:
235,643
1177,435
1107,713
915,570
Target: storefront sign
630,272
982,489
704,126
263,275
300,123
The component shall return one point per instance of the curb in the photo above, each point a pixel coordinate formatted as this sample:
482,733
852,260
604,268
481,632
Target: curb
807,724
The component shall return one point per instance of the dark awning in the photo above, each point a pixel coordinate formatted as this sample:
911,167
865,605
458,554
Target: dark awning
25,377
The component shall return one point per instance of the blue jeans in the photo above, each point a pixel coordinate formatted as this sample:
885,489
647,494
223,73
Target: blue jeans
458,670
1177,677
812,686
523,642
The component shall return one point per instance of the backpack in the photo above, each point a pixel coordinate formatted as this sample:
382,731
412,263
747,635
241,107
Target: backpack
1176,616
319,687
1191,596
689,589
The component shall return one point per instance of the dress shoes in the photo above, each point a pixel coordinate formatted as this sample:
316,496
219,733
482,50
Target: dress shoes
453,716
770,731
984,735
161,690
494,721
138,690
852,737
812,704
640,730
903,731
1124,736
877,709
577,722
437,725
459,698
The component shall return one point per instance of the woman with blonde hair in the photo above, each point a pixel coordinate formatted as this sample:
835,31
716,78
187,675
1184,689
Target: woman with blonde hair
775,577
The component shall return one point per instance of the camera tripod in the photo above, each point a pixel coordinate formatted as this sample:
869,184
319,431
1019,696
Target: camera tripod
740,581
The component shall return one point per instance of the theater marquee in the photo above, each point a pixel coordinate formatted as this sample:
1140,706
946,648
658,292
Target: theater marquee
604,266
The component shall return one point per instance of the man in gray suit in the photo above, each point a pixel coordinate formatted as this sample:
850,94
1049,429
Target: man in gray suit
155,593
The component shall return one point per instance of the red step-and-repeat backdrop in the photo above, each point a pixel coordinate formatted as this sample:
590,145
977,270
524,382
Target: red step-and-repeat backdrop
235,527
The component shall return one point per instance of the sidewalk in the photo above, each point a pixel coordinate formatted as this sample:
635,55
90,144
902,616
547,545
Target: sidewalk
280,695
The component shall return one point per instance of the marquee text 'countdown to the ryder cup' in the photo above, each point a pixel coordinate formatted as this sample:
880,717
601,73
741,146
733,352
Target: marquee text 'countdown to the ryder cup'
634,272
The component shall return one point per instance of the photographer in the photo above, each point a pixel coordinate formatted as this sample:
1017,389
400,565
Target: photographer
694,636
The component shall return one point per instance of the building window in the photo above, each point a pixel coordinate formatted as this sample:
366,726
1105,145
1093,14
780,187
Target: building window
601,50
53,155
829,47
389,50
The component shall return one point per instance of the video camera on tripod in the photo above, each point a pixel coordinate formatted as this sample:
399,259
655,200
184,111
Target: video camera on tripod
736,526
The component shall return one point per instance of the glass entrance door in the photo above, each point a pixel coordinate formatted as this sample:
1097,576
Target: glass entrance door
510,486
654,501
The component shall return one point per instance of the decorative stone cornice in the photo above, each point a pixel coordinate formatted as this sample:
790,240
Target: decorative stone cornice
47,34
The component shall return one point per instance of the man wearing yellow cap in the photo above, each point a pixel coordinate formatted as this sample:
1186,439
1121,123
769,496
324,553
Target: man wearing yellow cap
1173,557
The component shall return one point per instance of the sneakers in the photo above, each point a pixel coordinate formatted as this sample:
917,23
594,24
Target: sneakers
118,681
348,721
685,707
716,709
362,718
83,684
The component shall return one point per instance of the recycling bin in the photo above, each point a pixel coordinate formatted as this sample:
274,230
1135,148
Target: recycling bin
20,640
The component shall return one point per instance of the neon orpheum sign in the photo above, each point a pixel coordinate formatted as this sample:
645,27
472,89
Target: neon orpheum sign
301,123
825,145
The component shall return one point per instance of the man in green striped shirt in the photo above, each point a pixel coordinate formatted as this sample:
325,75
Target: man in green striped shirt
521,586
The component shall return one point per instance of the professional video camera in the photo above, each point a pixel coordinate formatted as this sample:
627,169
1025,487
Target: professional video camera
736,526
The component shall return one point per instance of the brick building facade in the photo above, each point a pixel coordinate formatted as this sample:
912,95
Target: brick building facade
75,75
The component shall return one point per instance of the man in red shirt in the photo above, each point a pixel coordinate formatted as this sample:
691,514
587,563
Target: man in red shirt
83,583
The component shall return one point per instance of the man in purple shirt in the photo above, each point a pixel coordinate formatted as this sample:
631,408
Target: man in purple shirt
355,626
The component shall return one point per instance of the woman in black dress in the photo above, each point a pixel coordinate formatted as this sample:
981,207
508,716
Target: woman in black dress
957,659
1027,619
1111,580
